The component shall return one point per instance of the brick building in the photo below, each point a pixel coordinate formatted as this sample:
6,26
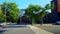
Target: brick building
56,11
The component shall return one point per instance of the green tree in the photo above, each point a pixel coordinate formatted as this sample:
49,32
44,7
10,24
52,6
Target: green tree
0,10
44,12
41,15
31,11
12,11
2,18
38,12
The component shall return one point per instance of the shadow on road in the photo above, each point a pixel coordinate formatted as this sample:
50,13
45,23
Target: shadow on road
1,31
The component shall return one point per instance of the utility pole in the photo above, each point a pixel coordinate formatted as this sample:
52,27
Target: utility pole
5,11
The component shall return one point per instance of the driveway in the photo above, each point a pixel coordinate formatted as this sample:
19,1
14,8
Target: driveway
54,29
16,30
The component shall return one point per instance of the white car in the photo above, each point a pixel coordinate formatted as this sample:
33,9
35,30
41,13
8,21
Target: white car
3,23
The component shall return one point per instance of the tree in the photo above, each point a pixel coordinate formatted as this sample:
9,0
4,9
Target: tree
41,15
0,10
31,11
44,12
12,11
2,18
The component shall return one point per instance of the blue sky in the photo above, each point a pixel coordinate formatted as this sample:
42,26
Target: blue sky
22,4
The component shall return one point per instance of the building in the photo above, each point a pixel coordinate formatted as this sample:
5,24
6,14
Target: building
22,11
23,17
56,11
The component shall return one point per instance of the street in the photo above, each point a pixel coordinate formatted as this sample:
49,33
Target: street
24,29
54,29
16,30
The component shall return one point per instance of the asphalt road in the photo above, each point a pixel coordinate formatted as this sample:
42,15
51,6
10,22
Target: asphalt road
54,29
16,30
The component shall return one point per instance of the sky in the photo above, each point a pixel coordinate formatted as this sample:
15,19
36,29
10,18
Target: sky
22,4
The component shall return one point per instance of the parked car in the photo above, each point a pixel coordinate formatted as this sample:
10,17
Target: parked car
8,23
3,23
58,22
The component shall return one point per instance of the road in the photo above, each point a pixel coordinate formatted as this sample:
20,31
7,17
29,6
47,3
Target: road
54,29
16,30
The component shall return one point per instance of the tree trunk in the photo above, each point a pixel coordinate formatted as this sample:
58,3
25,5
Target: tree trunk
41,21
33,21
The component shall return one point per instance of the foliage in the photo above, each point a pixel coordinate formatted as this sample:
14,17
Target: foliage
12,11
31,11
37,12
0,11
43,13
2,18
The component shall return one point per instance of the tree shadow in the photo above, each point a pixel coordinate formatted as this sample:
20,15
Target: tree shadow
1,31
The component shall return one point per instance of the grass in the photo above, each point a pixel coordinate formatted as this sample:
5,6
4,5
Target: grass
42,26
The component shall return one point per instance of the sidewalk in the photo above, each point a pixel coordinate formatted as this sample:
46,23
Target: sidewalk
39,31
